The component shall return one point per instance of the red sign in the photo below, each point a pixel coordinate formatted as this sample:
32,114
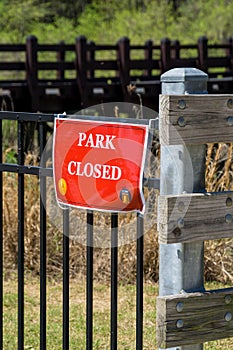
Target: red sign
99,165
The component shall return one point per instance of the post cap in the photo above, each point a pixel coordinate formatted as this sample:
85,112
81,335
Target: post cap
183,74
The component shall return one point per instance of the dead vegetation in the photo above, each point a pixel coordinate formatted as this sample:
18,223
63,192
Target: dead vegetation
218,254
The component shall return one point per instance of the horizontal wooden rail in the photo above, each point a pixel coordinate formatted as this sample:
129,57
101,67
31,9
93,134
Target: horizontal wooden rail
195,217
12,66
193,318
196,119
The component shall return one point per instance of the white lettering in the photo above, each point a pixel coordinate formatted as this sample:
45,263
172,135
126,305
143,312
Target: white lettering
116,173
69,167
88,170
109,139
98,171
89,142
82,137
96,141
106,169
78,172
99,141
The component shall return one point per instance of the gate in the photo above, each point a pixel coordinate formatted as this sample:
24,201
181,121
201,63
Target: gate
45,172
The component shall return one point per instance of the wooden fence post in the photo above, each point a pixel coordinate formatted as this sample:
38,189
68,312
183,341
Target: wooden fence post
31,65
165,54
175,49
91,58
148,54
61,58
124,64
81,64
182,171
203,53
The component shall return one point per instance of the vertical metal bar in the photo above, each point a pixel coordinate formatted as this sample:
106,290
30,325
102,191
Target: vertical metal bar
20,239
114,279
139,292
65,324
42,139
89,283
182,170
1,244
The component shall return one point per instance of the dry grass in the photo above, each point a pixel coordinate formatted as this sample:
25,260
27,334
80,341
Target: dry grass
218,254
219,177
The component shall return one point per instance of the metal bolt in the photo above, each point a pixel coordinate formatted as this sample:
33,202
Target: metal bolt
228,202
182,104
181,121
177,232
230,121
180,323
181,206
230,103
227,299
228,316
179,307
180,222
228,218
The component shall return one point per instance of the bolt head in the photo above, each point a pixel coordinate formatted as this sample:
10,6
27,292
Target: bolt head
230,121
180,324
230,103
179,307
228,316
181,122
229,202
228,218
182,104
181,206
180,222
227,299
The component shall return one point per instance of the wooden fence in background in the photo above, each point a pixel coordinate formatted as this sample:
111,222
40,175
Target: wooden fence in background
54,78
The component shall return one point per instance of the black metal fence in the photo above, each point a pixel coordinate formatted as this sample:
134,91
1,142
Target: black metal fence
40,121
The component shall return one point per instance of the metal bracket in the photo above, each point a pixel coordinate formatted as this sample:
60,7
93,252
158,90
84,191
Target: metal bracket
151,183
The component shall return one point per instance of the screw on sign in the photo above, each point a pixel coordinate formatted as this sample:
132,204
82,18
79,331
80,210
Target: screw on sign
99,165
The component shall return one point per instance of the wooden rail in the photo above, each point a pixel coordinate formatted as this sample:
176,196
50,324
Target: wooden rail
66,77
196,119
195,217
192,318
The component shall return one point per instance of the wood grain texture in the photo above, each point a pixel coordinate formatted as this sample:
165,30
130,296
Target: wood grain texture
203,317
195,217
205,119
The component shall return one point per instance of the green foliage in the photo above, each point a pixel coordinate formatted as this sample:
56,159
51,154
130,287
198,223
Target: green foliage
187,21
18,18
211,18
106,21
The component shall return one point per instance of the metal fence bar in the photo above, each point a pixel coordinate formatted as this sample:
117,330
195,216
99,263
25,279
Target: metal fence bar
20,239
139,292
1,244
114,279
42,140
65,305
89,282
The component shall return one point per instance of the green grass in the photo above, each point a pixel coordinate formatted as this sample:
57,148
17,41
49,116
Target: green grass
101,328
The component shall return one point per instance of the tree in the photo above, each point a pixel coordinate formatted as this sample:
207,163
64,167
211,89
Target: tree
20,17
70,9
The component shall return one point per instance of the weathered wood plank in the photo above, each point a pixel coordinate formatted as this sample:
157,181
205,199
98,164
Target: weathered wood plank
195,119
195,217
194,318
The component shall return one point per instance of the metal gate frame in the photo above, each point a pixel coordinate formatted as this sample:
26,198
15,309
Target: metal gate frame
40,121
